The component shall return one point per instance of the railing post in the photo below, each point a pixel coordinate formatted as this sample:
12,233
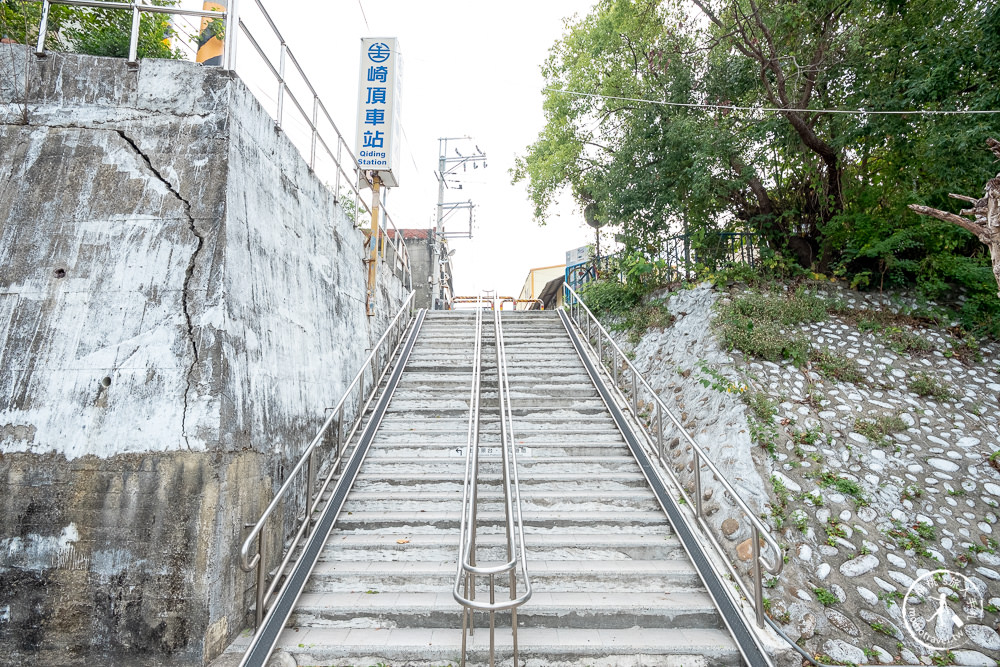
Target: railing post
133,41
758,585
340,431
309,490
261,583
635,393
697,485
232,30
340,170
43,26
281,82
315,119
659,430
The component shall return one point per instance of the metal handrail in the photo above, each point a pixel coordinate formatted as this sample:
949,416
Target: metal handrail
464,590
379,361
231,18
759,530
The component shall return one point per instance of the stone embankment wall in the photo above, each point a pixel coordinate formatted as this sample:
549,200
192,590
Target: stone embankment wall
180,301
877,479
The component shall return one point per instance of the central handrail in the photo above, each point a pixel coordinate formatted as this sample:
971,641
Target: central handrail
379,359
465,578
759,530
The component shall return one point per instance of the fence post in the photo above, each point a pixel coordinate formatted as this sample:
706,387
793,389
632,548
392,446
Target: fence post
281,82
232,30
43,26
133,41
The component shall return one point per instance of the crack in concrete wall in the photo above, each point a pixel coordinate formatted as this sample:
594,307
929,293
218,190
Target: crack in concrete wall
188,275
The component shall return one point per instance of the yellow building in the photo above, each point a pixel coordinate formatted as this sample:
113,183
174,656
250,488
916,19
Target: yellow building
543,283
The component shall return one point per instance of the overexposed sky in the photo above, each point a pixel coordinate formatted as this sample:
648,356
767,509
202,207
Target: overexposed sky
470,68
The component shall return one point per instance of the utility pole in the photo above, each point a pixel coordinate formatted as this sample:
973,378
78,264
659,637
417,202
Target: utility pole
448,167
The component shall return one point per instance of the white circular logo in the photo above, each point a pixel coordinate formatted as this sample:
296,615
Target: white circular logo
938,606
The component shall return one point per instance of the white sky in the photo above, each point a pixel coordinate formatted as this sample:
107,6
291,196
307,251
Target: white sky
470,68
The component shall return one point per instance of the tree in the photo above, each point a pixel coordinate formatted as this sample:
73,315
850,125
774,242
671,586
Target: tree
985,210
830,189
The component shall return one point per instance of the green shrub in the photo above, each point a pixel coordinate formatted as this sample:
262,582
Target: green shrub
924,384
878,428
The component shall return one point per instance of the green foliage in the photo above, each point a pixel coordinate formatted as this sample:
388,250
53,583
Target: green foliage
925,384
900,340
912,537
825,597
624,305
836,366
96,32
758,324
827,479
761,405
878,428
827,191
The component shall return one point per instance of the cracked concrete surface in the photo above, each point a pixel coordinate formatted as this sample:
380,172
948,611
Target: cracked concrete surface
188,275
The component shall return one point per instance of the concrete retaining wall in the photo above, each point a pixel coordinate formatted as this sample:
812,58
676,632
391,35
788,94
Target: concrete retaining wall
180,300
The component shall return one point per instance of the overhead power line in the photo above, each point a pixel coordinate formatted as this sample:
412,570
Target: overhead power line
855,112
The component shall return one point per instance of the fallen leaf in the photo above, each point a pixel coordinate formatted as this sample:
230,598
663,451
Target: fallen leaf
402,541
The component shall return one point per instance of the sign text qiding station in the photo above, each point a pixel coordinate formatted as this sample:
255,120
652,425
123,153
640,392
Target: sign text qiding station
378,137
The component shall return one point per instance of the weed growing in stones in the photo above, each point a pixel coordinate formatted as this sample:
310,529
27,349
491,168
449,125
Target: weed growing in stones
757,324
761,405
825,597
834,529
946,658
782,495
809,436
827,479
836,366
912,538
713,379
814,499
882,628
900,340
764,434
877,429
924,384
911,492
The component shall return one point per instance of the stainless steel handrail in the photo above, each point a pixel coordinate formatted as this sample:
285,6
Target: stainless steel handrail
378,363
231,17
759,530
464,590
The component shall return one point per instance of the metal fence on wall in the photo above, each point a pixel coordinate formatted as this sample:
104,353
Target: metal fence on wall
683,257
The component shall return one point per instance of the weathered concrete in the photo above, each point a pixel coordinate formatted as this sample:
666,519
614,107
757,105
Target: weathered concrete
180,300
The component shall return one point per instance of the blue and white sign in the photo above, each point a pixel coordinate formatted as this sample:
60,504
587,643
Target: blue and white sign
378,136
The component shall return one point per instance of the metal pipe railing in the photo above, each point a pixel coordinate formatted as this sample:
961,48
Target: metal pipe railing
303,473
620,364
465,578
400,265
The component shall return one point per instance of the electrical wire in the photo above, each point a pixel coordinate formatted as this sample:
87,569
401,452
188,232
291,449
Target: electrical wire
695,105
362,7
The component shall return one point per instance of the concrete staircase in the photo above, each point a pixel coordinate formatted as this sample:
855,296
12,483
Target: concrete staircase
612,584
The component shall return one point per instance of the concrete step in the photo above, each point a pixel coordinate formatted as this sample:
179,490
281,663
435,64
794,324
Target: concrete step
546,610
433,545
538,647
411,481
551,521
386,576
